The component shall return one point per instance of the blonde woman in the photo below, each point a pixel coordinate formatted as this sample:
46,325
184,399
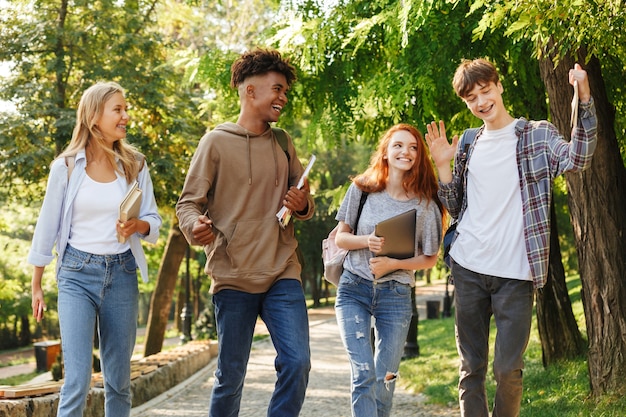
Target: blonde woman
96,274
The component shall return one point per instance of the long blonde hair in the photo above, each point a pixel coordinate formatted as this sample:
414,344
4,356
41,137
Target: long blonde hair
86,133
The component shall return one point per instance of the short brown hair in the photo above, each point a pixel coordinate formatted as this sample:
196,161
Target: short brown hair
472,72
260,61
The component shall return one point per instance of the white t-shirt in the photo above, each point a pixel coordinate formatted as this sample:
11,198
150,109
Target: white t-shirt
94,217
491,233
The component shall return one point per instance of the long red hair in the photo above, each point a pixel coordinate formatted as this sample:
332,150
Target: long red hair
420,180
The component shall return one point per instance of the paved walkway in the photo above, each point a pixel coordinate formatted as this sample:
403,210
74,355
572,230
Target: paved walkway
24,368
329,384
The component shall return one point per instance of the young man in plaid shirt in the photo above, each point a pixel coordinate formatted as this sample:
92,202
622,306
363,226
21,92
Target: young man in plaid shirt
501,198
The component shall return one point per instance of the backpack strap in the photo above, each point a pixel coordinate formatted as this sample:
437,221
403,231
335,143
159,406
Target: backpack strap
358,213
281,138
466,141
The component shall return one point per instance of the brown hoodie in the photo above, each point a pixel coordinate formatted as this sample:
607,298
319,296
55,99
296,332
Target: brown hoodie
239,179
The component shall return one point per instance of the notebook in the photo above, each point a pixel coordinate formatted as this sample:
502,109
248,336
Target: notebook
399,234
129,208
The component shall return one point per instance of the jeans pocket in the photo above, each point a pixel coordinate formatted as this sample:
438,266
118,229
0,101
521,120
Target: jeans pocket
129,265
72,263
349,279
402,290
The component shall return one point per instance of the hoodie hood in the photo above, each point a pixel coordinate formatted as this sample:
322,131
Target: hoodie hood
248,136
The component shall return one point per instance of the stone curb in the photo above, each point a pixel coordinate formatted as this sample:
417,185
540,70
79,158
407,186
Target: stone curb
185,361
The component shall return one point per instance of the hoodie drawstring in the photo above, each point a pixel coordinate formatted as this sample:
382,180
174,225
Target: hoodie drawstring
273,140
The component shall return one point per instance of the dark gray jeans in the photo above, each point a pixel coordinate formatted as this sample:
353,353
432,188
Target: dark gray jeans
510,301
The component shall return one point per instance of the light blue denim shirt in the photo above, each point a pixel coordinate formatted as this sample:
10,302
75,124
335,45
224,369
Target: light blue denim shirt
55,217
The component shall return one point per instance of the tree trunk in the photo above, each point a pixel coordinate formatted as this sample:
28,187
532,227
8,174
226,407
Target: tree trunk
312,277
25,335
558,330
161,302
596,199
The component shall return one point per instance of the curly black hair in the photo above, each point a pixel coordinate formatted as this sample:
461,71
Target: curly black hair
260,61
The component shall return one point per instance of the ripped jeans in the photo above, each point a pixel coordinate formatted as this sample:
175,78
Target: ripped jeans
373,373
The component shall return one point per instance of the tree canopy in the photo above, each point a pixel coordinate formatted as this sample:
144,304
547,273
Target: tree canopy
56,49
362,66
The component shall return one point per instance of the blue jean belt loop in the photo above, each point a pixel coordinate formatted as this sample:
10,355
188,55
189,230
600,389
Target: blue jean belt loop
118,258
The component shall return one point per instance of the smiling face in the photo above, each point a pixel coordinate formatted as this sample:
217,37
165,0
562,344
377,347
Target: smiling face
485,102
401,151
114,119
268,95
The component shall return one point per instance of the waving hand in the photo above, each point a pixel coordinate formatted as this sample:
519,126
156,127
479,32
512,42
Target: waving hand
441,150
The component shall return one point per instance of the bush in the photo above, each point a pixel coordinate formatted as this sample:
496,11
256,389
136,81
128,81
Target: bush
57,368
205,325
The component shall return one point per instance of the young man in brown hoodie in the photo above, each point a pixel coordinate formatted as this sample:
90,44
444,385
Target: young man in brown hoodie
238,180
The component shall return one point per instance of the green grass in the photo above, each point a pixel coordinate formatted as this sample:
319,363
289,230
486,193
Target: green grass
170,332
18,379
435,371
562,390
18,359
259,337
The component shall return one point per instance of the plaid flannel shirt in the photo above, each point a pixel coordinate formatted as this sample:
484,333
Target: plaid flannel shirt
542,155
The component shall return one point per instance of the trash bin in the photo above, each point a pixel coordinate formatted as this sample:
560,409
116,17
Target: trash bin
46,353
432,309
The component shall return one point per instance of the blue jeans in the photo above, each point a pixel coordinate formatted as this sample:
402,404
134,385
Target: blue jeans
510,301
102,287
373,373
283,310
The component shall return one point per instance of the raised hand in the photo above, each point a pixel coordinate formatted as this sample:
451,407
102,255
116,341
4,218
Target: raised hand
578,74
441,150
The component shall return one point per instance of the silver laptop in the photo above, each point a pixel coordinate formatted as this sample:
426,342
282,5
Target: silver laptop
399,234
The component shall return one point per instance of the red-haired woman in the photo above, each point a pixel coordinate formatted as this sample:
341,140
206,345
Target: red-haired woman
400,177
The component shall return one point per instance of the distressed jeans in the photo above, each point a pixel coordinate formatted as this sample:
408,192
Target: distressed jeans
373,373
102,287
283,310
510,301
